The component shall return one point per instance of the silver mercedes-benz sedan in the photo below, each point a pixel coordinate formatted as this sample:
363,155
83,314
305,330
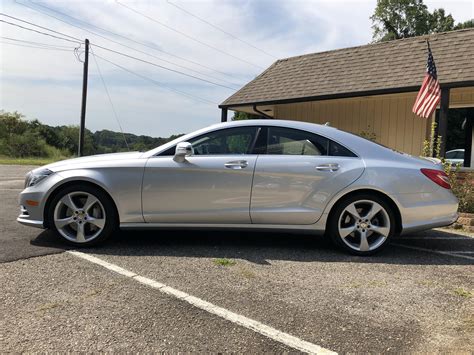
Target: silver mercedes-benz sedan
247,175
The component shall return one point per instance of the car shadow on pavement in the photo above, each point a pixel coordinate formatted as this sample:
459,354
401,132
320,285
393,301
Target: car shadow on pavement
261,247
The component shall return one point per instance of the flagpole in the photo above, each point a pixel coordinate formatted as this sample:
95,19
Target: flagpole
430,95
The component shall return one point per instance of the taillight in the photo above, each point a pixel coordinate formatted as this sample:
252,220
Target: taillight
437,176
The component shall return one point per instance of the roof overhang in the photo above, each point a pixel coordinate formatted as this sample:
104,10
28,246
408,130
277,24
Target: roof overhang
385,91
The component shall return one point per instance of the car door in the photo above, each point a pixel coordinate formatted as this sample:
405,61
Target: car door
212,186
298,175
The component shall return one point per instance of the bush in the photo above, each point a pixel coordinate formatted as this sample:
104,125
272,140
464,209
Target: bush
23,145
462,187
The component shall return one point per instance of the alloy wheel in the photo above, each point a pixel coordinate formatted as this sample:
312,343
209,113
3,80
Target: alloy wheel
364,225
79,217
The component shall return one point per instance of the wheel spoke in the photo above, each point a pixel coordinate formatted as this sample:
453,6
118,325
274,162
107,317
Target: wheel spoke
98,222
376,208
61,223
345,231
67,200
381,230
364,244
353,211
91,200
80,236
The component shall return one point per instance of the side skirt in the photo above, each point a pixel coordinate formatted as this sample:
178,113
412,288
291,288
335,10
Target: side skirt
310,229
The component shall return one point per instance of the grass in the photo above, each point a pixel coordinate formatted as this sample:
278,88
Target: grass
248,274
28,161
224,262
48,306
463,293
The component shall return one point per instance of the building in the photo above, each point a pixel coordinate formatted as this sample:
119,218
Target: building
371,89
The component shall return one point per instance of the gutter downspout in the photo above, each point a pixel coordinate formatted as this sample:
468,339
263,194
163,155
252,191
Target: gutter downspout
260,112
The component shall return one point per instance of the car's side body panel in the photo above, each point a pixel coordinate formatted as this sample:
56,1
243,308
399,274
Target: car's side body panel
295,189
202,189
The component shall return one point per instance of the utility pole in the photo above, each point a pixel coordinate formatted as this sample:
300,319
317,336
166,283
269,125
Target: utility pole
84,99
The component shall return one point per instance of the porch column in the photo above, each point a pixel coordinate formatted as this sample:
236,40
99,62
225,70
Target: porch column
443,119
223,114
469,139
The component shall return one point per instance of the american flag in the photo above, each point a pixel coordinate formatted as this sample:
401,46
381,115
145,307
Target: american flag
430,92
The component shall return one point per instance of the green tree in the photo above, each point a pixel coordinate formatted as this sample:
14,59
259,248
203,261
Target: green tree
238,116
440,22
70,140
12,123
395,19
465,24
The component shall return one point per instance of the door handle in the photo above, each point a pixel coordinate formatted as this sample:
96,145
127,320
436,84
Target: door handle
237,164
328,167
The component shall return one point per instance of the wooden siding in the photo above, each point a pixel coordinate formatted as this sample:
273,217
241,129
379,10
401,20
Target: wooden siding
461,97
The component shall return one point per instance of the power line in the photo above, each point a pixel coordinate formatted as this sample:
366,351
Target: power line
126,38
110,99
36,43
162,67
162,85
43,28
33,30
219,29
188,36
132,57
37,47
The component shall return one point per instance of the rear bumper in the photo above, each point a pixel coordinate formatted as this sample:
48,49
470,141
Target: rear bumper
423,211
416,227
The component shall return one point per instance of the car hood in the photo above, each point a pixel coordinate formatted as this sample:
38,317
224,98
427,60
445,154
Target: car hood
92,160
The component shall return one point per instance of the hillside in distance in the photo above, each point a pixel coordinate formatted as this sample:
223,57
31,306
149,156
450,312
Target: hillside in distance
21,138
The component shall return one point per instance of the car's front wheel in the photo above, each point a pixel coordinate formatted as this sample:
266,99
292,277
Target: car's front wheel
362,224
82,215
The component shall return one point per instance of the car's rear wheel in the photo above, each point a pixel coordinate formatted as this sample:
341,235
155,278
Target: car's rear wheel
362,224
82,215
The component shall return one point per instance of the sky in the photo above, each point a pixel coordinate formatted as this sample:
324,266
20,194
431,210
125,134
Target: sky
166,98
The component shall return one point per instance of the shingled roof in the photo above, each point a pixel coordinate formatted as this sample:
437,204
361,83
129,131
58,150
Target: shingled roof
395,66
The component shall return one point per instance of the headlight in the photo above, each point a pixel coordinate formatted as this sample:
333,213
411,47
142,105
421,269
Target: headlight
34,178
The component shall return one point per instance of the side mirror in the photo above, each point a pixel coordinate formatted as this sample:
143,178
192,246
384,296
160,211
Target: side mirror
183,150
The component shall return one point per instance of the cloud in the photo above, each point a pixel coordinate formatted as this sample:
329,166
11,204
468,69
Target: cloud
46,84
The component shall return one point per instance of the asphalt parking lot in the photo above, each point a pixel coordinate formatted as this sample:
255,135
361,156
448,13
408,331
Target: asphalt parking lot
415,296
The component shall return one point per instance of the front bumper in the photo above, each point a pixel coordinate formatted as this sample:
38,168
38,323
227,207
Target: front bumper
32,201
26,219
30,223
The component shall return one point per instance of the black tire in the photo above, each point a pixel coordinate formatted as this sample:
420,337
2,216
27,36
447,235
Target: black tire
105,202
335,219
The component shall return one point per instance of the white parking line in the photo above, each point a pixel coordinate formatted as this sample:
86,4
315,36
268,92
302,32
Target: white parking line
265,330
450,253
434,238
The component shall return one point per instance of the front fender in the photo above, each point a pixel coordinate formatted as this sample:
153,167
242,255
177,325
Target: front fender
122,184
